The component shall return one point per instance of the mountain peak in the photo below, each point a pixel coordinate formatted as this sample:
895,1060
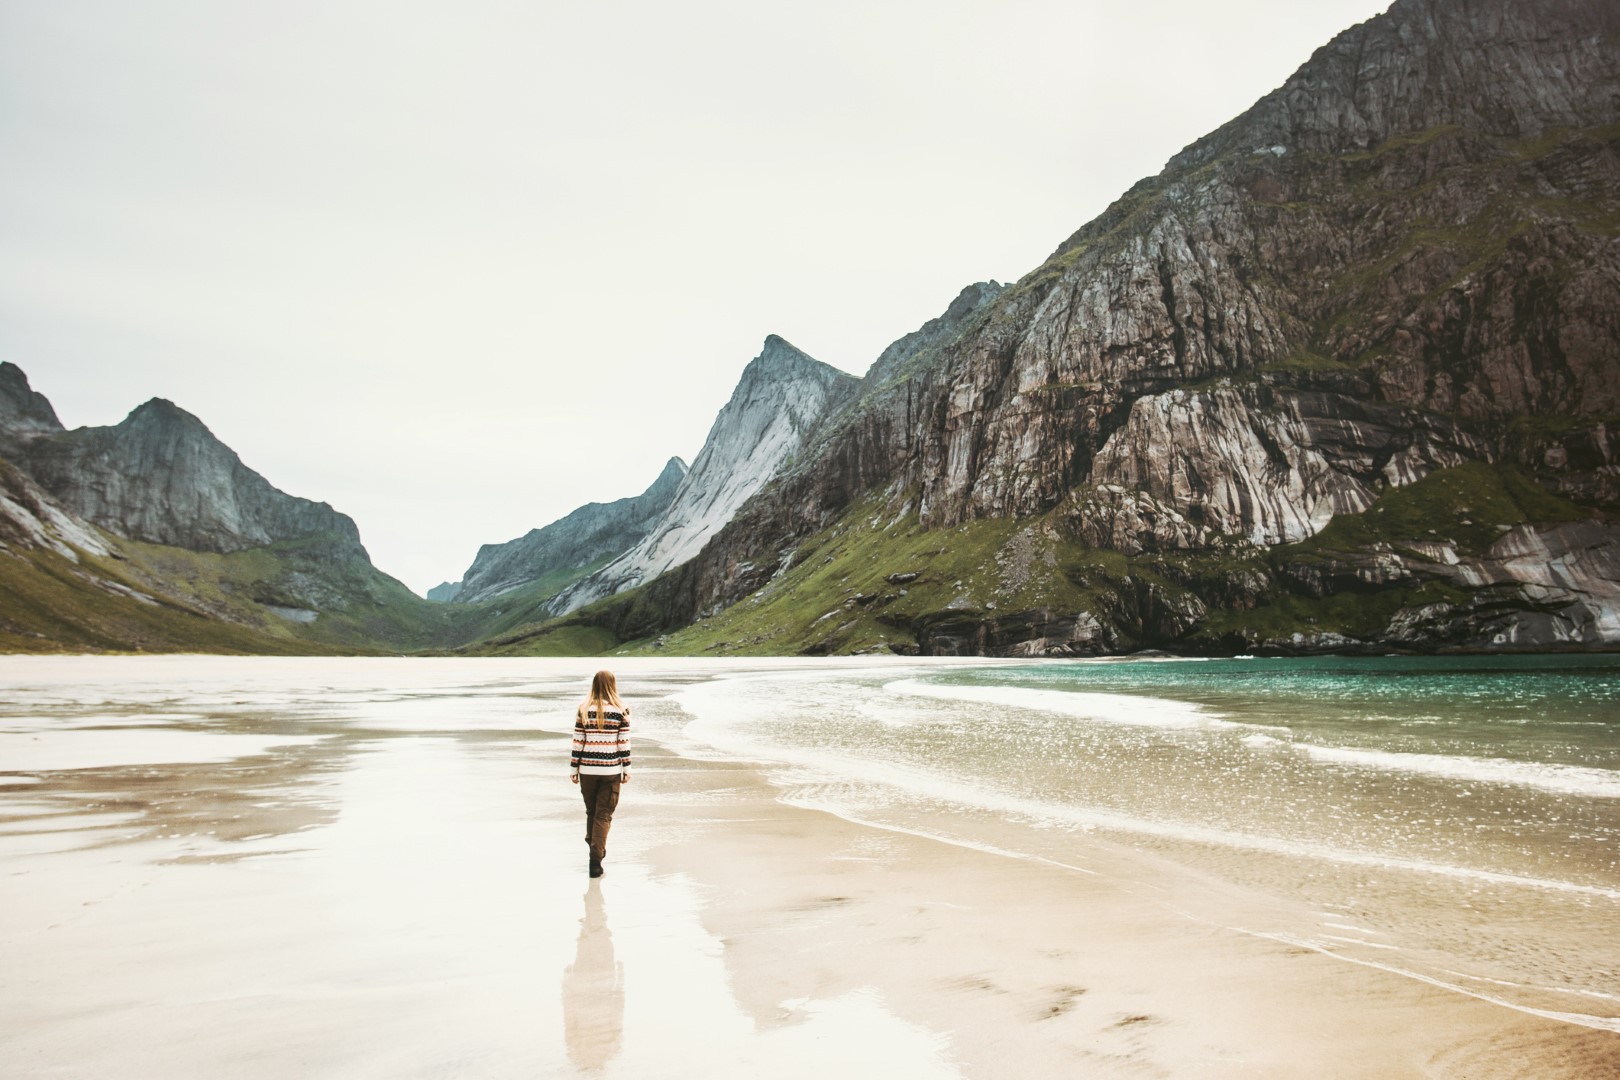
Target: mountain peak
933,334
674,470
782,396
23,410
1398,73
971,298
778,350
162,477
780,361
162,410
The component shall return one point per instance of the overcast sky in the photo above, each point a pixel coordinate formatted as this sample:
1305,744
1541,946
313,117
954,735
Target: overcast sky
457,268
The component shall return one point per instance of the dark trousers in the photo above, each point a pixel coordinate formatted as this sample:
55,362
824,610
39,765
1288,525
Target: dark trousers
601,794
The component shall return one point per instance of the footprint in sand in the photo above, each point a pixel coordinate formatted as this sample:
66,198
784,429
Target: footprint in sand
1066,996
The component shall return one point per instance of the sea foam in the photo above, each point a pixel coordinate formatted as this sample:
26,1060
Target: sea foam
1104,708
1561,779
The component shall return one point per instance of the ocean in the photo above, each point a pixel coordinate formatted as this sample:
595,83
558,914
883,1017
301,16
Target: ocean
1453,819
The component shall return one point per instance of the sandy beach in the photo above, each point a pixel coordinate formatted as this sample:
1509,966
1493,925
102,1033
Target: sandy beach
382,895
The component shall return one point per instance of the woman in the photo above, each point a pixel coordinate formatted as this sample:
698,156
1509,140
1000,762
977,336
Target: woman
601,760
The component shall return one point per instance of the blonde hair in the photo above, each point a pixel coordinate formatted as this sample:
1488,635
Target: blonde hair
604,692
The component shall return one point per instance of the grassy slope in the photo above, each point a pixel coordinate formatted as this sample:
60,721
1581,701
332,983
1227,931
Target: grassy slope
500,615
207,602
836,596
212,603
363,609
51,605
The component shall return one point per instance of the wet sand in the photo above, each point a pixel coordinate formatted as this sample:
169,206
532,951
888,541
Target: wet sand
374,903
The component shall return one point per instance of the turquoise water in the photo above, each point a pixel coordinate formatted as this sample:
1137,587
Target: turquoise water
1548,709
1455,818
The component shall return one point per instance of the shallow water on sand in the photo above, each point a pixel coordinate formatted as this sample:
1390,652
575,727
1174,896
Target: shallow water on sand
214,845
1454,819
356,868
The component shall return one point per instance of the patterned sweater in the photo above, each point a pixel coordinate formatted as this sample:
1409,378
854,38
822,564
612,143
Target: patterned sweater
601,750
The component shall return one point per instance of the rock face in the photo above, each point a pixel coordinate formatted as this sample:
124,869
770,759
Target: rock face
591,534
780,402
1418,221
900,360
1265,463
162,477
24,412
31,520
1401,261
444,592
1536,588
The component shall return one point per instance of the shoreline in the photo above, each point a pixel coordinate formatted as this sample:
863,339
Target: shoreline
1371,650
1062,965
393,886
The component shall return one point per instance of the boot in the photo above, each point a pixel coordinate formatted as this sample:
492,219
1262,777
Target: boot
596,866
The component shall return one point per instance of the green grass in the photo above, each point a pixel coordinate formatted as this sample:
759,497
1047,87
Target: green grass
1469,504
1362,615
362,609
1403,142
836,596
562,639
51,605
209,602
1305,360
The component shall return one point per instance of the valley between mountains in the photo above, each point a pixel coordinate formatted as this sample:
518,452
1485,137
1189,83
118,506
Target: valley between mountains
1343,377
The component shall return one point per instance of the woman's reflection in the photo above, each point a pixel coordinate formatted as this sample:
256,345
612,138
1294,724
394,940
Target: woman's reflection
593,990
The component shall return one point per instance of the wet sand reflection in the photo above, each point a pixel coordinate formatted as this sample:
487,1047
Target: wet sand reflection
593,990
207,809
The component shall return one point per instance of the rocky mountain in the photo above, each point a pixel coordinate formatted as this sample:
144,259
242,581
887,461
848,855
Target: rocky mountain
781,399
1326,381
30,520
1344,376
162,477
444,592
24,412
64,584
567,549
152,534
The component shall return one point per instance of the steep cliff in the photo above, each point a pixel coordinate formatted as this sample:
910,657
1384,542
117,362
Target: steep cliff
30,520
776,409
1413,237
24,412
560,553
1400,265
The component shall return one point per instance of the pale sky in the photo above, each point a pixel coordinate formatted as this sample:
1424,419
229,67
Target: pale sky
458,268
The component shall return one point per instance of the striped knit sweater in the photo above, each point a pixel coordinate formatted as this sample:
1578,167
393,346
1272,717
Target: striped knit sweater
601,750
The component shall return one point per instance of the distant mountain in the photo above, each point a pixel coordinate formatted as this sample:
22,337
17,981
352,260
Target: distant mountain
153,534
565,550
780,400
1344,376
444,592
162,477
